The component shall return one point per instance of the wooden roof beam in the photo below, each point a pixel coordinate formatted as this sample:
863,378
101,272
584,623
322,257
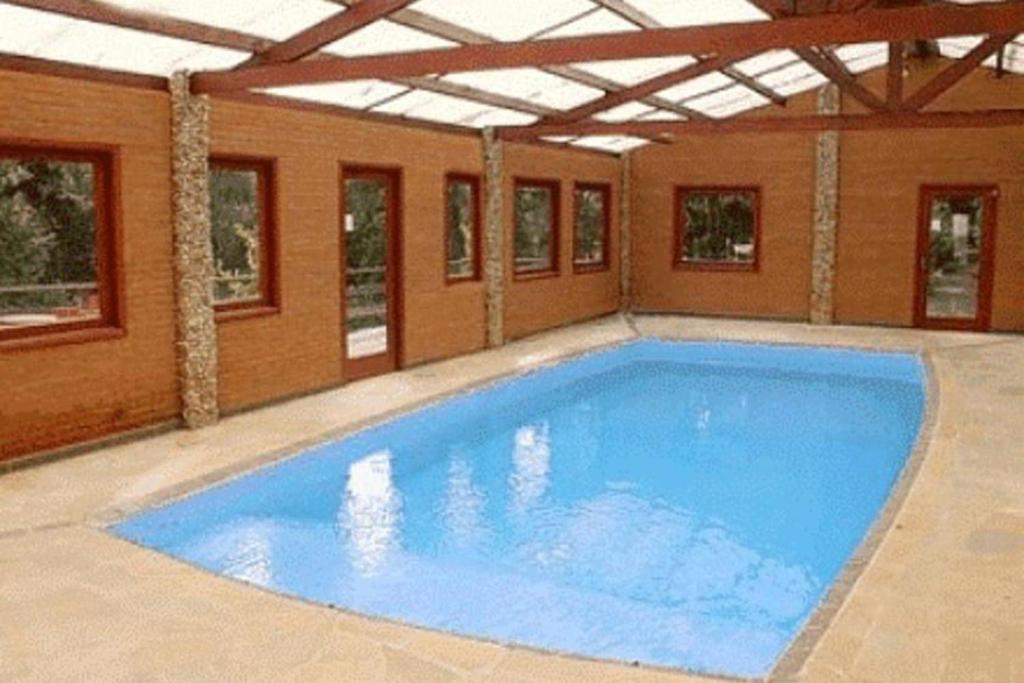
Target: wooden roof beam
723,40
834,70
328,31
989,118
955,72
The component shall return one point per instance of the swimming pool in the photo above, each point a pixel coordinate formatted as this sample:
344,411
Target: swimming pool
677,504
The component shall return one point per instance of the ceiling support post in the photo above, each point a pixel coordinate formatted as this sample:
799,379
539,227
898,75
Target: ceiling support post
196,330
494,237
826,211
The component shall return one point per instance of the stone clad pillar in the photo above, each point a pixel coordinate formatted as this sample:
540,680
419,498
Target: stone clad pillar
494,237
826,212
625,232
196,330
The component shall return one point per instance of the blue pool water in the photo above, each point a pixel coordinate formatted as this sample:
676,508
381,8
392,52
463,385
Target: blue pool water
677,504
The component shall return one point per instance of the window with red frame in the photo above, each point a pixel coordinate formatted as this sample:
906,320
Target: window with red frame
592,226
536,227
242,230
57,258
718,228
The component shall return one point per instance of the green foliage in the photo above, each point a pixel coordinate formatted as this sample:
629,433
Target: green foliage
366,250
47,230
460,229
590,222
235,229
942,247
533,228
717,223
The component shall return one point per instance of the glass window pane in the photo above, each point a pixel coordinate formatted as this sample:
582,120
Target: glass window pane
461,230
48,260
236,226
954,257
534,240
718,227
591,221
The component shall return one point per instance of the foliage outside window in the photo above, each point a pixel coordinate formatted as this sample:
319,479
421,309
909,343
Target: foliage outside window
240,234
54,256
590,240
536,227
463,230
366,249
718,228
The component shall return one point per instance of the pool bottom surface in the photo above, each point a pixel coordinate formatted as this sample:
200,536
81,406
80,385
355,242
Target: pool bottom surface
682,505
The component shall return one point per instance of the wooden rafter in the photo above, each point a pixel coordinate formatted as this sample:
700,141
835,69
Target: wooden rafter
329,30
439,28
894,77
640,90
630,13
102,13
834,70
725,40
989,118
955,72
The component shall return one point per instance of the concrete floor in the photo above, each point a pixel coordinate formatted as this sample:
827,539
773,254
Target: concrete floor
942,599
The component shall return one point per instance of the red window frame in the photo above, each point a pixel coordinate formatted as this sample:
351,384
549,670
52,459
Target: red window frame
555,188
605,190
105,163
679,262
266,191
473,181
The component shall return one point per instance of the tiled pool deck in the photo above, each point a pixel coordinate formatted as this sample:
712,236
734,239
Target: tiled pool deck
942,599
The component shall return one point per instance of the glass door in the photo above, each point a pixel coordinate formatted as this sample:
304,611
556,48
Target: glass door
369,256
955,253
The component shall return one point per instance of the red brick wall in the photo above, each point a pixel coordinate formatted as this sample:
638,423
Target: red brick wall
880,177
62,394
299,349
537,304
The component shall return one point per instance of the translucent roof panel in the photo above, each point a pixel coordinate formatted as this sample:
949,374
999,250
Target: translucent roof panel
533,85
660,115
766,61
383,37
51,36
352,94
699,12
601,21
630,71
728,102
274,19
506,21
696,86
791,80
420,104
624,112
608,143
863,57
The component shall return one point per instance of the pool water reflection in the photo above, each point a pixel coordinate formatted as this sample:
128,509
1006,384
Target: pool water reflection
676,504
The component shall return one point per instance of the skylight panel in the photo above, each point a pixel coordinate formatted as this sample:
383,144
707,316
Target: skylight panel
607,143
794,79
352,94
273,19
385,37
699,12
624,112
533,85
506,21
47,36
632,71
661,115
728,102
767,61
863,57
420,104
599,22
696,86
